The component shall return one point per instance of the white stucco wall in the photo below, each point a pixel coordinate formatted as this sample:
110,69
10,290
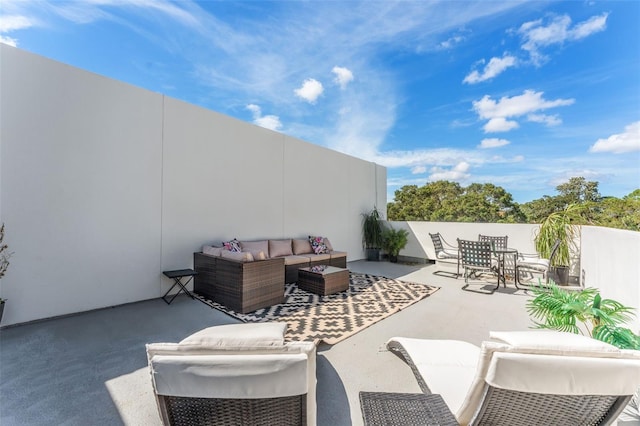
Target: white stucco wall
420,245
105,185
610,260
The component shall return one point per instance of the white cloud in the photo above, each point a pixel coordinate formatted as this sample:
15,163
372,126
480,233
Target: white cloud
12,23
271,122
456,173
310,90
495,67
620,143
8,40
588,174
451,42
549,120
537,35
418,170
500,124
498,112
493,143
343,76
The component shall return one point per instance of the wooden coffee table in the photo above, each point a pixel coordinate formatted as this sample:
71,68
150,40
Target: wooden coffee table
323,279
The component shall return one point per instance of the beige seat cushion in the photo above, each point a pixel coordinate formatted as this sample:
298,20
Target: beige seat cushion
319,257
296,260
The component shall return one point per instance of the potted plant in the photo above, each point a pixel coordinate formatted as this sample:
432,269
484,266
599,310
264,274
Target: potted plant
582,312
372,234
559,225
394,240
4,263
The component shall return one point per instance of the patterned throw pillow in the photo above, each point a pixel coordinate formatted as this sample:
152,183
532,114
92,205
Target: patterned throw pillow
318,245
233,245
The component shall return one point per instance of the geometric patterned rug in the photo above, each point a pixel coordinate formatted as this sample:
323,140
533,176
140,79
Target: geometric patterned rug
332,318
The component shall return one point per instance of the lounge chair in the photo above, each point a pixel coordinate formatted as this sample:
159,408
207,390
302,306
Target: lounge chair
533,264
240,374
446,255
476,258
525,378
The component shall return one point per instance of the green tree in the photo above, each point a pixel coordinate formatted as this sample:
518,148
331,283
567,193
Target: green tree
578,190
622,213
444,201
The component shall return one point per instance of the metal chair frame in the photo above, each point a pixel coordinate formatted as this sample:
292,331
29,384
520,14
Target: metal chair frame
441,245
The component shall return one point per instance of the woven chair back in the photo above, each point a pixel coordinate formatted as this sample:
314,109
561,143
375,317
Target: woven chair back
437,242
496,242
475,254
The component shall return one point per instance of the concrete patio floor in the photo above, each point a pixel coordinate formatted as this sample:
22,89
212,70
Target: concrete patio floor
91,368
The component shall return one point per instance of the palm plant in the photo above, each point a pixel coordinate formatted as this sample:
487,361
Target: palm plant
559,225
394,240
582,312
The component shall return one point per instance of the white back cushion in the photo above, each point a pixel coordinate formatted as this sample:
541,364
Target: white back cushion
230,376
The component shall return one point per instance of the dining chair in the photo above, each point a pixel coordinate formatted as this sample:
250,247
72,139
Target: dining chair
534,264
446,255
476,258
497,242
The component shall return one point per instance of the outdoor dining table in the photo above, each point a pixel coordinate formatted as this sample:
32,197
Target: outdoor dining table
501,254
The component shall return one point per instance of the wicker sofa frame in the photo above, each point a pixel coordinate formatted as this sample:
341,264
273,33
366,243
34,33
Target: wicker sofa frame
241,286
247,286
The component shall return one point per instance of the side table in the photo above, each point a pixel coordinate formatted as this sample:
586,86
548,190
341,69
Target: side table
177,276
405,409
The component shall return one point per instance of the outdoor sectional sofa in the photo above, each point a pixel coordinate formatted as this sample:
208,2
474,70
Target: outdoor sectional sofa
249,275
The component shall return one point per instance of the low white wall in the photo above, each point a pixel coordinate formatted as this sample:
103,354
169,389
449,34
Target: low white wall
104,185
610,260
420,244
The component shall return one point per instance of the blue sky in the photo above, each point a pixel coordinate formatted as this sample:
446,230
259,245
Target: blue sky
524,95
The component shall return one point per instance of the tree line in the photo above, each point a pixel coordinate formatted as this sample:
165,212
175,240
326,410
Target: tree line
445,201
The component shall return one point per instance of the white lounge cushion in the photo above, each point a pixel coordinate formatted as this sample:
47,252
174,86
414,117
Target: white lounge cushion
535,264
541,361
230,376
239,335
549,341
563,375
447,254
446,366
